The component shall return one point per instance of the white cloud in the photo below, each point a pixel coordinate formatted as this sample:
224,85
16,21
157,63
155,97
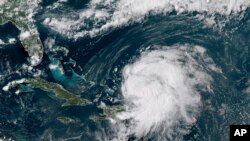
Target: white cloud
24,35
2,42
2,2
94,20
161,94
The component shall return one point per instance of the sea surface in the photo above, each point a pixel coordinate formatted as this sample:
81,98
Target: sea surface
179,68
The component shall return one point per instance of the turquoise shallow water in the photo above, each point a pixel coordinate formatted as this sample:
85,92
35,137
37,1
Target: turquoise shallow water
93,69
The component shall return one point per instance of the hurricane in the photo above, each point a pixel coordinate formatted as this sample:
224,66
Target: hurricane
123,70
160,91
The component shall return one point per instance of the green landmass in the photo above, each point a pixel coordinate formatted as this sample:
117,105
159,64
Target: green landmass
108,112
59,92
65,120
20,13
68,98
111,111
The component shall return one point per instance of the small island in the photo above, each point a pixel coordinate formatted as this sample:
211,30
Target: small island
65,120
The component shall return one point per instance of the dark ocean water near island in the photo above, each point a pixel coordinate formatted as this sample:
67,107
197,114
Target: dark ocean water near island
180,74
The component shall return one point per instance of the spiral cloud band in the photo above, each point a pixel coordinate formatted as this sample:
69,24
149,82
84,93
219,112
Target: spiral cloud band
161,90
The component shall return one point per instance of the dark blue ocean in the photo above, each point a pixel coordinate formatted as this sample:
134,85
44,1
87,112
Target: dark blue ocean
94,68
